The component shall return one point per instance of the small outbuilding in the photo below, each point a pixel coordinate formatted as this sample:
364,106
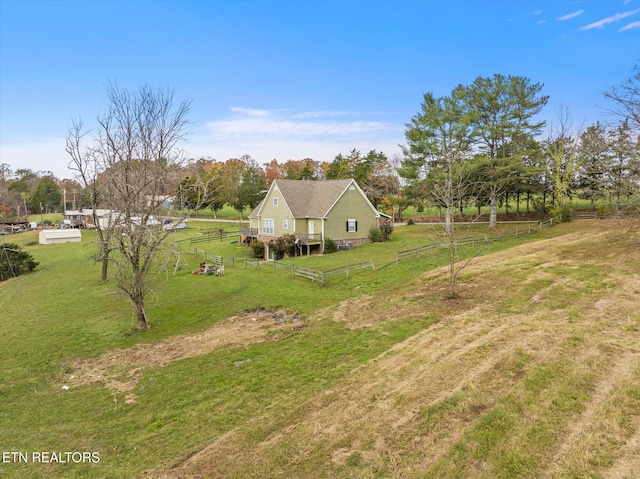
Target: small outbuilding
60,236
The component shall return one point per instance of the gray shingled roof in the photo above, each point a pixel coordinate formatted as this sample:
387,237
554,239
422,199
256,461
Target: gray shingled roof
310,198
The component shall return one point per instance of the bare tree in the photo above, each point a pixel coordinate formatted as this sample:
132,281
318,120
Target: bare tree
130,161
563,155
86,167
440,138
626,98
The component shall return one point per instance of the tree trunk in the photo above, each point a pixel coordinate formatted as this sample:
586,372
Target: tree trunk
506,203
105,265
105,261
493,216
447,222
452,261
140,314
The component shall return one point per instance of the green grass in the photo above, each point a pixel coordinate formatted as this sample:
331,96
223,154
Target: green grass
61,313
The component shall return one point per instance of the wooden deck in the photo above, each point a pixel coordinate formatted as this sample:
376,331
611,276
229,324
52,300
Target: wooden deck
309,240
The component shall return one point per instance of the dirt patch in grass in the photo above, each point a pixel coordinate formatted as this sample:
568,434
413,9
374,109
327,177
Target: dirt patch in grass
121,369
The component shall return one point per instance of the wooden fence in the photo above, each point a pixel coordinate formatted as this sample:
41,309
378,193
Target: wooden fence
470,241
323,276
208,257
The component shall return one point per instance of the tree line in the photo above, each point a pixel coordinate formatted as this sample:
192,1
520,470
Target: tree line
197,184
482,144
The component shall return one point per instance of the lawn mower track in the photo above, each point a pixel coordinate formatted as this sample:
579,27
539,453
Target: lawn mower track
466,359
379,407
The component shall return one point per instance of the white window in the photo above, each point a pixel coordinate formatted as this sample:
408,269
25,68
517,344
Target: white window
352,225
285,224
267,227
275,201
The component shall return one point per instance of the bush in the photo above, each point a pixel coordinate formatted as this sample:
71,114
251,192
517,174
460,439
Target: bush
387,229
410,222
258,249
604,210
381,233
284,245
14,261
330,246
375,235
562,213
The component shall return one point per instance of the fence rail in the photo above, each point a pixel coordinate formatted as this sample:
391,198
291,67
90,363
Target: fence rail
208,257
323,276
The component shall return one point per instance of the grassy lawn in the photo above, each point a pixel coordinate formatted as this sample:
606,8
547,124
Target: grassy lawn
259,401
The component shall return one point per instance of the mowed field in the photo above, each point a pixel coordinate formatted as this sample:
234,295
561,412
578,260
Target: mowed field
534,371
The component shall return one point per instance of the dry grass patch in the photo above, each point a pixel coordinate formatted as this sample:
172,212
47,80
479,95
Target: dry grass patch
121,369
535,372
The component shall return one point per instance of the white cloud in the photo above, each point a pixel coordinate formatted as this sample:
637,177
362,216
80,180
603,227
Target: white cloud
250,111
263,134
630,26
283,134
283,125
569,16
537,12
613,18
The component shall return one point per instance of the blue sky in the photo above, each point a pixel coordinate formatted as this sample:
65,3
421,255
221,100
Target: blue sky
294,79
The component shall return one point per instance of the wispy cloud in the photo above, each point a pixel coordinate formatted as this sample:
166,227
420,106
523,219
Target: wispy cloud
569,16
613,18
284,134
630,26
250,111
248,122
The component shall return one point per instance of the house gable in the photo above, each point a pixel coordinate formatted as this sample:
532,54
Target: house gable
351,216
273,213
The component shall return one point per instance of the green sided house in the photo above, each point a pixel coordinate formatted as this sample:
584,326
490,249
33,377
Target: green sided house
313,211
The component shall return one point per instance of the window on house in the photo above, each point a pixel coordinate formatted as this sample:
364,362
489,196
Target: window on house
285,224
275,201
352,225
267,227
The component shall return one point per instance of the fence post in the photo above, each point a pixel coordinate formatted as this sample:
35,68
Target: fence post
372,265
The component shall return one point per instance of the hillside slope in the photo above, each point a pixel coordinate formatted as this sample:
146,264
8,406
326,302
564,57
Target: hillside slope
533,372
